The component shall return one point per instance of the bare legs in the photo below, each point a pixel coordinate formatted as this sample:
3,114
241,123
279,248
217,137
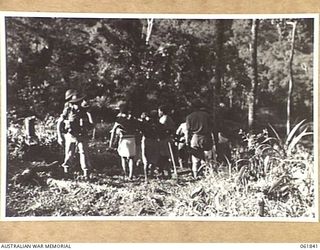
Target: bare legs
127,162
146,167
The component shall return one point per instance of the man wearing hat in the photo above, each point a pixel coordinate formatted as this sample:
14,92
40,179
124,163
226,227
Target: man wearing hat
61,125
76,123
199,135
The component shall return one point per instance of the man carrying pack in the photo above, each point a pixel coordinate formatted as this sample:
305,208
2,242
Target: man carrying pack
199,136
61,131
77,121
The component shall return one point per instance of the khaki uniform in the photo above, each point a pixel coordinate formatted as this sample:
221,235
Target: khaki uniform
76,125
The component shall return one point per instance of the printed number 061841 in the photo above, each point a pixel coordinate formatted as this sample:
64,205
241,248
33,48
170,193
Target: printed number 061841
308,245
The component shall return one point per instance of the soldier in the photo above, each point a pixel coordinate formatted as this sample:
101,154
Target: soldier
199,136
60,125
77,121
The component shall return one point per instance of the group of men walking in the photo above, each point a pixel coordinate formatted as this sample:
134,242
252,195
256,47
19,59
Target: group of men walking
154,131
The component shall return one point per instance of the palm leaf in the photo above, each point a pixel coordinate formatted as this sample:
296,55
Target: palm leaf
276,133
296,139
266,148
269,139
263,146
229,165
293,131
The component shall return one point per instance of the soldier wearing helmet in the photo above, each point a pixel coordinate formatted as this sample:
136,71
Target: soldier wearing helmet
61,124
73,126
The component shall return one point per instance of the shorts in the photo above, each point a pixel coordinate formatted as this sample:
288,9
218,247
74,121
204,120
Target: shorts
150,151
127,146
182,151
201,147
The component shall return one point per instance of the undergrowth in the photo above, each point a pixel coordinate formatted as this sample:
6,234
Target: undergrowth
266,176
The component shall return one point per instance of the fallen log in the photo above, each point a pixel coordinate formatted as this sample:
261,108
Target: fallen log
29,176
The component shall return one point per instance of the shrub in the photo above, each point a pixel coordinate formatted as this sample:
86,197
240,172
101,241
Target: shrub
46,138
283,168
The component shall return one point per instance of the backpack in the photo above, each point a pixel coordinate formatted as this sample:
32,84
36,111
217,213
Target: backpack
76,121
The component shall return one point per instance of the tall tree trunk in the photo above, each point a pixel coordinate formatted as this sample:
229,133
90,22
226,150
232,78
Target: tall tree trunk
220,61
216,81
253,75
290,84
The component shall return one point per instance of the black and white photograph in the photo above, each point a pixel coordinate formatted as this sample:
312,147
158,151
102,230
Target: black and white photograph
162,117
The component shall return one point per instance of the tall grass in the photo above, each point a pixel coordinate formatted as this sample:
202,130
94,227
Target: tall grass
265,172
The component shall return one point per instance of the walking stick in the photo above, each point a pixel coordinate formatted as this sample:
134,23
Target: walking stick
172,159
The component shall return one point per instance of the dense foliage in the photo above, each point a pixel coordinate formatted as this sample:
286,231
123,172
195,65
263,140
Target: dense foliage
108,60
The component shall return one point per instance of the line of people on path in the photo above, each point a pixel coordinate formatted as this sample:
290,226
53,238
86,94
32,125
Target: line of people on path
155,130
160,140
156,139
